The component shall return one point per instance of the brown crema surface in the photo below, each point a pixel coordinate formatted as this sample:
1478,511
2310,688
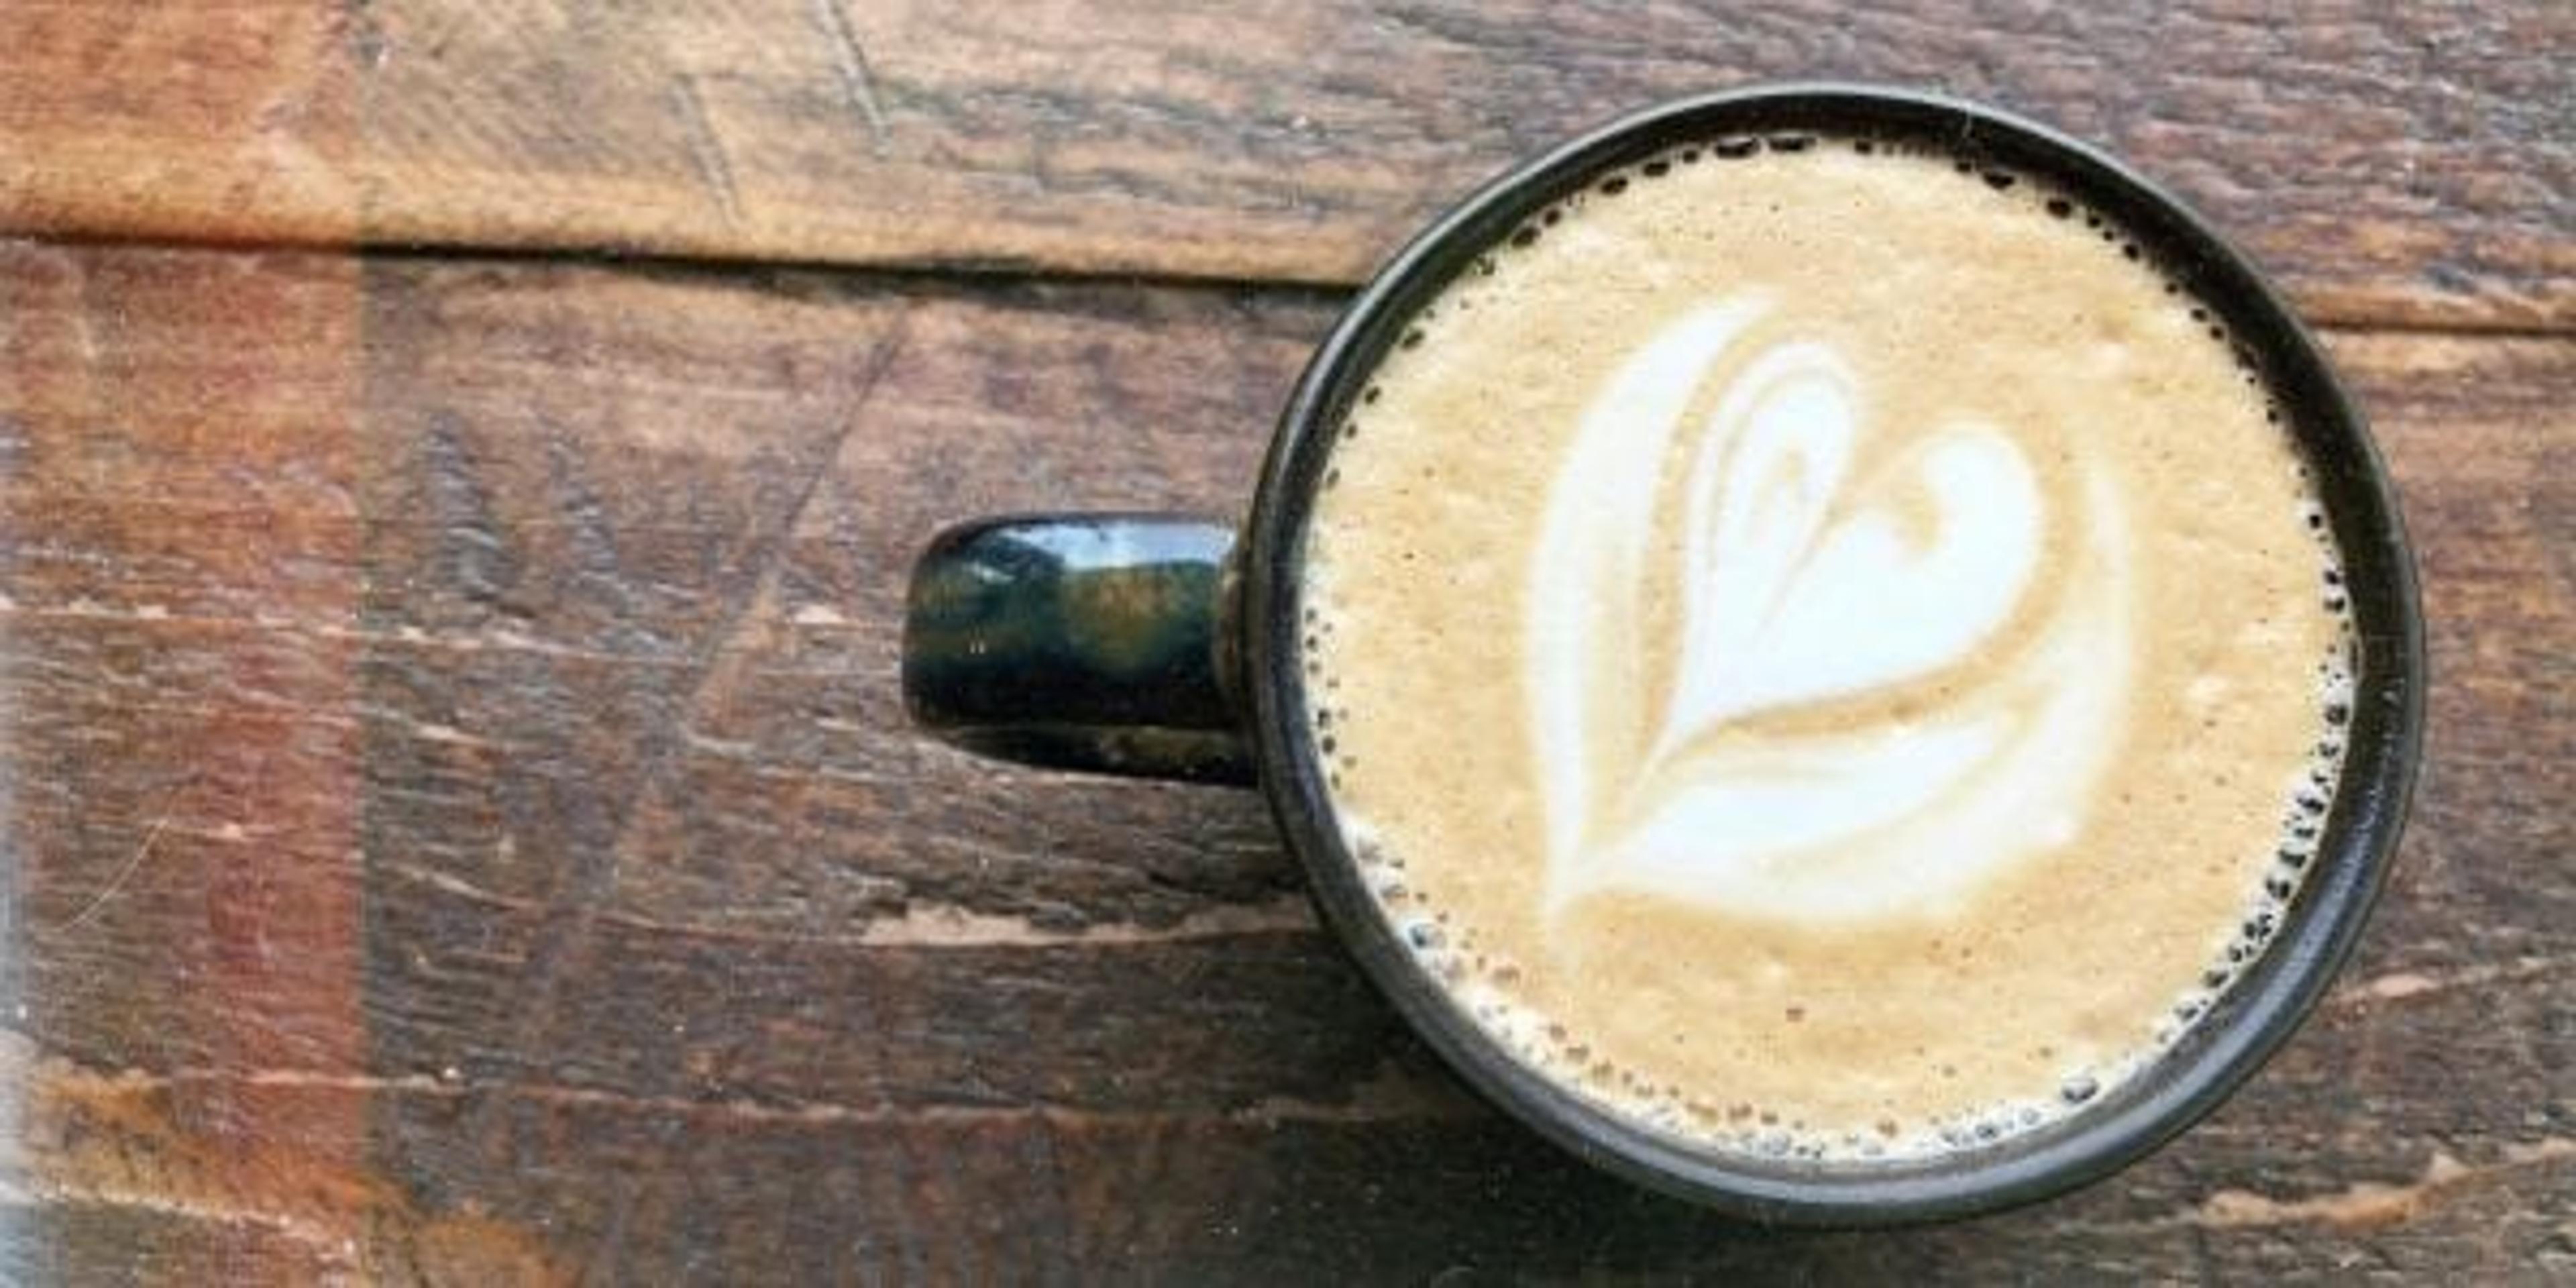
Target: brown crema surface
2055,969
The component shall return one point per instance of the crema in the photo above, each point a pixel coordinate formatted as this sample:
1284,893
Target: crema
1824,648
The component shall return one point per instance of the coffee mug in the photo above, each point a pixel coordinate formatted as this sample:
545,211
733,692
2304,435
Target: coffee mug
1176,648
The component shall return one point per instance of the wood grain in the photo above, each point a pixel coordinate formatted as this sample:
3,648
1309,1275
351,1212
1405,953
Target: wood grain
2405,163
465,829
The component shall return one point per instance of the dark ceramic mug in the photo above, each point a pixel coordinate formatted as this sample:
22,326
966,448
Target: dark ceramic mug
1169,647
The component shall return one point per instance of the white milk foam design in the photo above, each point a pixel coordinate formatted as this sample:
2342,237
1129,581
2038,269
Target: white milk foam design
1783,605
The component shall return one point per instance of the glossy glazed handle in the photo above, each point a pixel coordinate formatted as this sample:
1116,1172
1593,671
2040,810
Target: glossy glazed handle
1078,641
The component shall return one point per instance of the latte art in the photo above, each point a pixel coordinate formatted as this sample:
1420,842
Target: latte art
1823,652
1797,582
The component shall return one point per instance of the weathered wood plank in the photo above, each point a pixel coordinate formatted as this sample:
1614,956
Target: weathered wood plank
459,808
2396,163
595,1188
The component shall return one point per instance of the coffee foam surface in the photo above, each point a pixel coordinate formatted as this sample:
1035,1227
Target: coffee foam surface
1824,652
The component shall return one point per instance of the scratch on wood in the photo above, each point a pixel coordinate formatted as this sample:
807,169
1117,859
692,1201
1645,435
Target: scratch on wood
947,927
1391,1093
324,1242
707,149
84,316
116,883
496,639
2368,1205
930,927
852,61
448,883
767,567
734,749
2399,985
573,913
431,731
1388,1095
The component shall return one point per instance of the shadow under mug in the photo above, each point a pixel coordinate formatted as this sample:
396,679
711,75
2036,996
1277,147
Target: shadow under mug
1168,647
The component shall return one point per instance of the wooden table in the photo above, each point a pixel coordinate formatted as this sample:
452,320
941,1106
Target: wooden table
458,465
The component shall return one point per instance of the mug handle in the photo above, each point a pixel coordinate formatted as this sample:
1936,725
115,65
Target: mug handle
1094,642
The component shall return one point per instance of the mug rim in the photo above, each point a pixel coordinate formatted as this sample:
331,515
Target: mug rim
2259,1009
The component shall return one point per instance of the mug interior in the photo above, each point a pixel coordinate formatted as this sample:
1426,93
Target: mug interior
2246,1023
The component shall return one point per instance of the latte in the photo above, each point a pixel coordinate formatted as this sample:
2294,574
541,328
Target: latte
1824,649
